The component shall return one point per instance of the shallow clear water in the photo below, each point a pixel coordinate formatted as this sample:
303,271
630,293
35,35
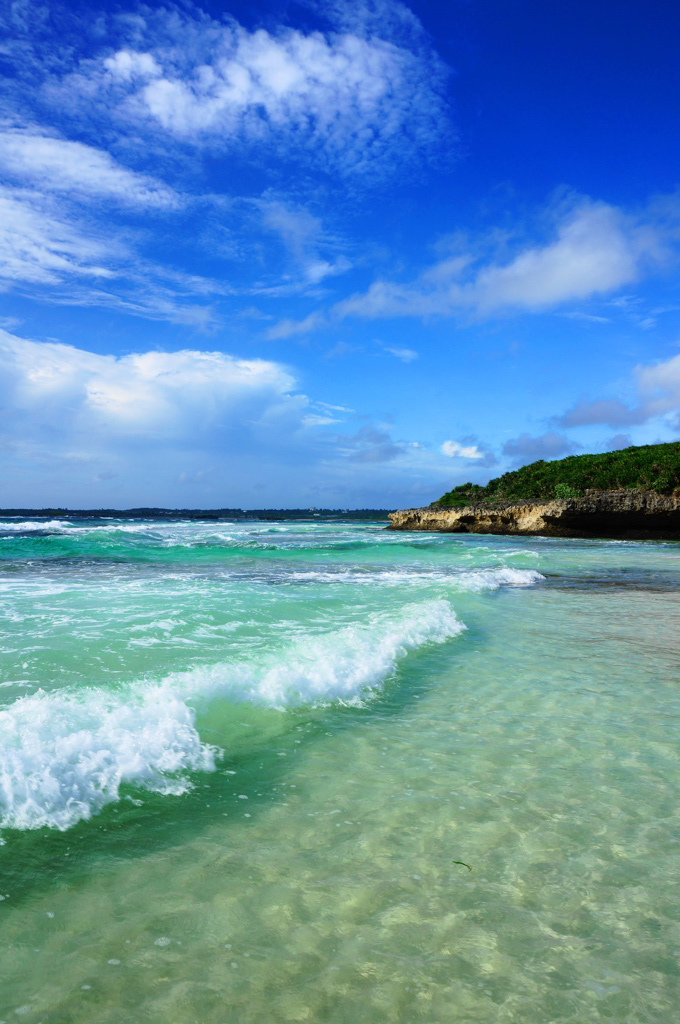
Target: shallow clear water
241,764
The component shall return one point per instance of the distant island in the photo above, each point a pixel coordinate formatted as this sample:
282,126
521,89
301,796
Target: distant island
633,493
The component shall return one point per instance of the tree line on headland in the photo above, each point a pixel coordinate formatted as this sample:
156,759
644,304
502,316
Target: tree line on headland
650,467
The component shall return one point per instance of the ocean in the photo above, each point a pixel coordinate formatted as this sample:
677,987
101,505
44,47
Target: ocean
322,772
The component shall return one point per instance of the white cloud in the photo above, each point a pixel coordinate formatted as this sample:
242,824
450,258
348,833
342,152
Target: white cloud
203,428
314,419
290,328
303,237
129,66
147,80
406,355
298,227
595,249
346,99
38,245
156,395
80,428
659,385
588,318
453,449
59,165
56,251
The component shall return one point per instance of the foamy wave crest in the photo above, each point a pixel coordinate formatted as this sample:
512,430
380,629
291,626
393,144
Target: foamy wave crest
492,579
341,665
33,525
471,580
64,756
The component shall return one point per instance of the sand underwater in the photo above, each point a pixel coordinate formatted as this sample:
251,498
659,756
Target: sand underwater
282,771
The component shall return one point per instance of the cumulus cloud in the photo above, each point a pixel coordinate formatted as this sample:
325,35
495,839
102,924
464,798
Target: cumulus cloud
158,396
548,446
191,427
595,249
77,424
453,449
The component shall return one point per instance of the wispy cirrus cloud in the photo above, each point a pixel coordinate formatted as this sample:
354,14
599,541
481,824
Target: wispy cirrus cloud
81,171
39,245
405,355
58,252
61,239
304,239
288,328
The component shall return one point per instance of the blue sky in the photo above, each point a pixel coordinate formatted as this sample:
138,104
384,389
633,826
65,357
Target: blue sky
331,253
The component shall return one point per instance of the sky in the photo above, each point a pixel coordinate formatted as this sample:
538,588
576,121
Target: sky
331,253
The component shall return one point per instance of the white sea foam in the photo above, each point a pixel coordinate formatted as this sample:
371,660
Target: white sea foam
340,665
32,525
492,579
76,528
474,580
63,756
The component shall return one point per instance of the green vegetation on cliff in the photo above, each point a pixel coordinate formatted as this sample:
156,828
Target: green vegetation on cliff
650,467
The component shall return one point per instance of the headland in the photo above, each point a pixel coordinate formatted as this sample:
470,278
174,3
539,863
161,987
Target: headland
631,494
624,514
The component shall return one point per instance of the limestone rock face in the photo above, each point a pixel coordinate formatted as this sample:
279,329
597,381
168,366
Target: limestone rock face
632,515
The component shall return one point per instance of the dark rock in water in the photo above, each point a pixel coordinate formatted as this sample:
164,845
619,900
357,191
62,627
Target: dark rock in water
627,515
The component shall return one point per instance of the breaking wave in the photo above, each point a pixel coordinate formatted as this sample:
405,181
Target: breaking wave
64,756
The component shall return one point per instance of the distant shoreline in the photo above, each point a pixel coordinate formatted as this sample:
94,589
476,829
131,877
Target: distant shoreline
195,513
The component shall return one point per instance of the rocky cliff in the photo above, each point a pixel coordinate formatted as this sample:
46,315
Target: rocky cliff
632,515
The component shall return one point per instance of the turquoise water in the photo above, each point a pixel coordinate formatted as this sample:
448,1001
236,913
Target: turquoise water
263,772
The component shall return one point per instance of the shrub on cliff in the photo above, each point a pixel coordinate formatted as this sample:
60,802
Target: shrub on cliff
563,491
650,467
